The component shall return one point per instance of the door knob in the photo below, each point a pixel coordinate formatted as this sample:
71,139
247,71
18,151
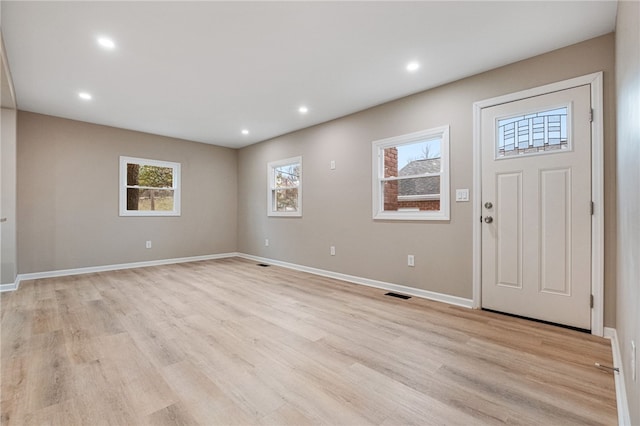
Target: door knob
488,219
488,205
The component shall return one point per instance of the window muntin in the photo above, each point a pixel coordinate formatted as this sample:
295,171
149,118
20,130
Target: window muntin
285,187
534,133
411,176
149,187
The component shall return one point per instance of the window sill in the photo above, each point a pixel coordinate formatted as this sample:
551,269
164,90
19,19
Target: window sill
148,214
411,216
284,214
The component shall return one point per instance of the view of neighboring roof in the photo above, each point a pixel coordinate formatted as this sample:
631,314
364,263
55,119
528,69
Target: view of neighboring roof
420,186
418,167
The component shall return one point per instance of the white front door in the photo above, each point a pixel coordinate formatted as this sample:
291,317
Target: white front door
536,207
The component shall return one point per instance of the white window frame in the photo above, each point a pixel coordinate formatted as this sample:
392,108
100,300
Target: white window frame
271,166
147,162
377,156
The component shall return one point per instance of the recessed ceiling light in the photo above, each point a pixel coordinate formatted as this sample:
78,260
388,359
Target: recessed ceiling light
303,110
412,66
106,42
84,95
245,132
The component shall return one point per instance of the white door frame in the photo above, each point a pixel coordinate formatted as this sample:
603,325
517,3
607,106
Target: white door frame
597,188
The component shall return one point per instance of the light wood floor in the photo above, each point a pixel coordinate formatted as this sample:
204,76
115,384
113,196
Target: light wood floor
229,342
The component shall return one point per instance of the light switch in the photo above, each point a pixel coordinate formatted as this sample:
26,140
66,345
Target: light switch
462,195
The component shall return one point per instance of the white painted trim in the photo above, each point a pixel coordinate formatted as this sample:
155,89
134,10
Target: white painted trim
541,90
597,196
476,262
597,184
105,268
425,294
624,417
7,71
9,287
439,297
419,197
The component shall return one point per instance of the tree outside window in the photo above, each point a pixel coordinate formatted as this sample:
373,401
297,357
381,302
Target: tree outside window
285,187
150,189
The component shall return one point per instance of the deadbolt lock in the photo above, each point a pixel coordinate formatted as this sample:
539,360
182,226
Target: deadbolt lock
488,205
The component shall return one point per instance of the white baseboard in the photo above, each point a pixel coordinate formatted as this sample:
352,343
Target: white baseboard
624,417
9,287
104,268
425,294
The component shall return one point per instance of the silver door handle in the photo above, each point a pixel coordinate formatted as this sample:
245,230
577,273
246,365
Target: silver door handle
4,219
488,219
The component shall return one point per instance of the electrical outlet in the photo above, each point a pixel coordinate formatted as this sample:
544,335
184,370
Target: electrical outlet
634,362
332,250
148,245
411,260
266,242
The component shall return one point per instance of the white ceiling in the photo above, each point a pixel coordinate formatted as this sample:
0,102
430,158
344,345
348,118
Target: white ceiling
203,71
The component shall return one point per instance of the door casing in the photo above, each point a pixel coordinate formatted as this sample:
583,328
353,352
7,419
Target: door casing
597,187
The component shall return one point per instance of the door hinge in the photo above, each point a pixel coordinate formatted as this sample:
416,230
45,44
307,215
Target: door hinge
593,208
591,115
591,301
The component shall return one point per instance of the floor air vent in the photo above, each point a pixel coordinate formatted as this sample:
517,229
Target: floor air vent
399,296
264,265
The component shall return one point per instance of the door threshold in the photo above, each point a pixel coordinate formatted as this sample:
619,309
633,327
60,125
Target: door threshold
582,330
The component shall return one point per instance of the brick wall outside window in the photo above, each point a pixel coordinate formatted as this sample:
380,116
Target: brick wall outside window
391,188
422,204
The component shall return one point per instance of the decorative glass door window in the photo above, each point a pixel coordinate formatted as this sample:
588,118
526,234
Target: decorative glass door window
535,133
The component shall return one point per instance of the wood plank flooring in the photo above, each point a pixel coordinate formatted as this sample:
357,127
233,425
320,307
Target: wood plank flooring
227,342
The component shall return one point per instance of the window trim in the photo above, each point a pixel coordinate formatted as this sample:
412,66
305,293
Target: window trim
271,166
378,178
426,197
148,162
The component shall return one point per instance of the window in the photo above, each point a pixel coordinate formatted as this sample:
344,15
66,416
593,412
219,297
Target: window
411,176
535,133
149,187
285,187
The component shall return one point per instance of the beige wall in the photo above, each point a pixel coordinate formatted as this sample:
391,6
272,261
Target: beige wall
68,197
628,127
337,204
